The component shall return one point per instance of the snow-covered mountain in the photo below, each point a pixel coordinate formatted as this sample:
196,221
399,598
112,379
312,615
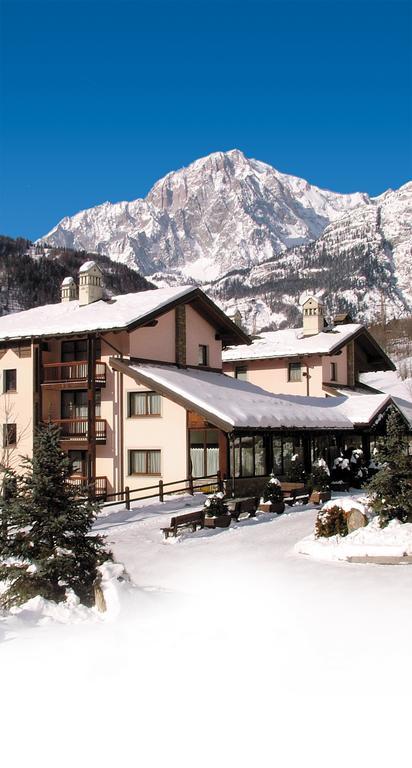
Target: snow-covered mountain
222,211
255,237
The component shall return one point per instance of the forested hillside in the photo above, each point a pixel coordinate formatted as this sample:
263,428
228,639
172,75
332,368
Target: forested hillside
29,279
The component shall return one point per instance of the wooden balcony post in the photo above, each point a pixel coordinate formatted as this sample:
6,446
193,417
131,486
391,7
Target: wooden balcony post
127,496
161,492
91,406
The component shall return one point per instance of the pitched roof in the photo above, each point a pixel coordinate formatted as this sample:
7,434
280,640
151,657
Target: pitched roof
118,313
292,343
232,404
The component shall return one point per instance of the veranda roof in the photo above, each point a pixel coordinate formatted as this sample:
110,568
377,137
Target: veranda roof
233,404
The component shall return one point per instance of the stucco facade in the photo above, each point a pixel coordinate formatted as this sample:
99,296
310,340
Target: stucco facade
69,380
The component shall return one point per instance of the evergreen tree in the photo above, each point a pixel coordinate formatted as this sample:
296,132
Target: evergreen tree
272,491
390,489
48,543
320,477
296,471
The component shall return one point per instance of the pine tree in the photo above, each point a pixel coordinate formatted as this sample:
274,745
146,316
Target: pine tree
320,477
296,471
48,545
390,489
272,491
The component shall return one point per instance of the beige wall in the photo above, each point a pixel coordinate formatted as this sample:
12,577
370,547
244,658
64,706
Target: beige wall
272,375
199,331
341,367
17,407
157,342
166,433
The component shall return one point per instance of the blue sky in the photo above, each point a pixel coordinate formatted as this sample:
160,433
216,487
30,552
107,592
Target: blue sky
100,99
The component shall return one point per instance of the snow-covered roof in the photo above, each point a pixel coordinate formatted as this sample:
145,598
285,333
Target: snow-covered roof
68,281
68,317
88,265
362,409
233,404
292,343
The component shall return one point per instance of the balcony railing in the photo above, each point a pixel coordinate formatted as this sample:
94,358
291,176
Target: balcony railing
77,429
80,482
75,372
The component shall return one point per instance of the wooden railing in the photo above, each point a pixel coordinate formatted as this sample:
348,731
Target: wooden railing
77,429
207,484
76,372
99,484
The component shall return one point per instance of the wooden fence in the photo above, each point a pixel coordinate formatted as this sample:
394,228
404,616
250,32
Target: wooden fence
189,485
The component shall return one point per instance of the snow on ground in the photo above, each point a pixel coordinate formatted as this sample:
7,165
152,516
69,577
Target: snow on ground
230,650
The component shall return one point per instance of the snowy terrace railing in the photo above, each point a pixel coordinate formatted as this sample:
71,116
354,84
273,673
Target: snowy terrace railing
187,485
76,372
77,429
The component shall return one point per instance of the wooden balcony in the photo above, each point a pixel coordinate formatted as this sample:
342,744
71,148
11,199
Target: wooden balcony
80,482
76,430
72,375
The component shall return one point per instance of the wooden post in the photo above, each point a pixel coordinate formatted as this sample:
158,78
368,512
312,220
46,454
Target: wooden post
219,481
127,496
161,494
191,484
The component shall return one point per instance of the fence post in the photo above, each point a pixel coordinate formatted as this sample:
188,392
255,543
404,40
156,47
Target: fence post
191,484
219,481
127,496
161,494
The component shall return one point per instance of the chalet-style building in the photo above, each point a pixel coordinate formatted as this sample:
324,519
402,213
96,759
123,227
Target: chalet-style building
135,384
314,360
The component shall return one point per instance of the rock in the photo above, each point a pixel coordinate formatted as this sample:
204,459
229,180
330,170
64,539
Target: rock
355,519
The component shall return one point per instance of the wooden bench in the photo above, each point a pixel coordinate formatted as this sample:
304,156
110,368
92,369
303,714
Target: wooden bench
193,520
242,507
294,493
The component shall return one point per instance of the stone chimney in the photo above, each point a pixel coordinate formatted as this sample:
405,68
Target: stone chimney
90,283
313,320
68,290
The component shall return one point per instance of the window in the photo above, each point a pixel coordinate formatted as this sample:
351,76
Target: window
74,404
249,453
10,380
9,435
143,462
241,372
144,404
204,452
74,350
283,448
333,376
203,354
295,372
78,461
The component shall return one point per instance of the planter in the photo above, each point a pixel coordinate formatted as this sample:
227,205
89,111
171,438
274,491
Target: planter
220,521
318,497
276,508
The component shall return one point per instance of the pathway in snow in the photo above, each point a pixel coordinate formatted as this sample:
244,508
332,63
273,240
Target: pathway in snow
228,627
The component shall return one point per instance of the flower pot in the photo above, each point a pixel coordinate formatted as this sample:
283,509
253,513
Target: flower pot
220,521
318,497
276,507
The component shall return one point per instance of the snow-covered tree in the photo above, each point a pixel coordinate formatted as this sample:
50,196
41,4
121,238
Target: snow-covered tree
48,547
390,489
320,477
272,491
296,471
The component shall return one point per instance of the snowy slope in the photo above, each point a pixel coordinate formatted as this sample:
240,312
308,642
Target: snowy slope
281,651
